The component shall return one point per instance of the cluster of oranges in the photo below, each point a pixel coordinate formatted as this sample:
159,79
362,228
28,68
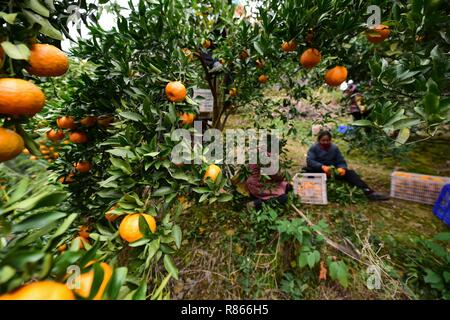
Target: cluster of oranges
176,92
312,57
76,128
52,290
21,98
77,135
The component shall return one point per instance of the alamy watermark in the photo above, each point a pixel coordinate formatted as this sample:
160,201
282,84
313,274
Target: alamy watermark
234,146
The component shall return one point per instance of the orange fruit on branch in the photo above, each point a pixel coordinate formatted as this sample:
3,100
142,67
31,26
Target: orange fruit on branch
176,91
310,58
47,61
263,78
87,279
11,144
288,46
129,227
84,232
83,166
187,118
232,92
335,76
378,33
207,44
66,122
55,135
20,98
78,137
88,121
212,172
41,290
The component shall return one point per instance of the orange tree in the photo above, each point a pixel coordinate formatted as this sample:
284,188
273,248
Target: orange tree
34,216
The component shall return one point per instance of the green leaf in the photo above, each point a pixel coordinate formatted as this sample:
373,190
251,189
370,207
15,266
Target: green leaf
6,273
362,123
122,165
16,51
19,190
141,292
8,17
131,116
161,287
402,137
170,266
177,235
258,48
162,191
443,236
432,277
46,27
225,197
38,221
117,280
37,7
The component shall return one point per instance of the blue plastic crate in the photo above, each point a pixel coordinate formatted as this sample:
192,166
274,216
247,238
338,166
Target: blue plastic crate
442,206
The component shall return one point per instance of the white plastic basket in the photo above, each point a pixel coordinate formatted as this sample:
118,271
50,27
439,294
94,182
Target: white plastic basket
417,187
311,187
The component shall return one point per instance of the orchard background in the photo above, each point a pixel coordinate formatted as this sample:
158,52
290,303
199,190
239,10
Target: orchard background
95,188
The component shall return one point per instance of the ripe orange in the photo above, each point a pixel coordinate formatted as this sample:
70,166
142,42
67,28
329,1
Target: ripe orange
83,166
26,151
86,280
33,158
233,92
244,54
129,227
84,232
111,217
212,172
55,155
263,78
88,121
20,98
207,44
289,46
335,76
378,33
188,53
187,118
310,58
41,290
105,120
47,61
66,122
55,135
11,144
62,248
78,137
176,91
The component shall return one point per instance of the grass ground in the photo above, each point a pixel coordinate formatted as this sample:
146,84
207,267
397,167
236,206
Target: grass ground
224,258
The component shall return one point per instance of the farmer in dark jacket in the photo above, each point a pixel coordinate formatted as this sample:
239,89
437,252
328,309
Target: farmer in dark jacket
324,154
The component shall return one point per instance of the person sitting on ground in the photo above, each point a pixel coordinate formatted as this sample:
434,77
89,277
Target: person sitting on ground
263,189
324,154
